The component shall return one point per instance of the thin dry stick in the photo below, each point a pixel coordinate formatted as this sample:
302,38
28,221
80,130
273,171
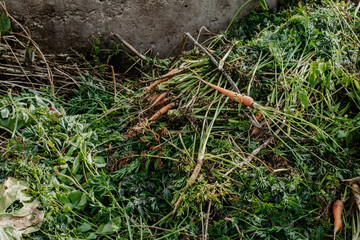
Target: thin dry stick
200,32
50,75
17,60
128,45
347,15
114,81
215,62
134,64
207,221
67,75
236,226
356,193
178,52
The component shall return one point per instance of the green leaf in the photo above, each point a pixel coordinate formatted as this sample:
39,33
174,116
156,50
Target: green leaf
75,196
319,233
100,162
116,224
336,107
63,198
303,98
4,23
357,85
82,203
105,229
279,152
84,227
91,236
76,165
341,134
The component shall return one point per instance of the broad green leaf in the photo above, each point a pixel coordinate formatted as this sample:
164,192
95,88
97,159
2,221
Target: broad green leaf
84,227
63,198
105,229
82,203
99,159
75,196
76,165
91,236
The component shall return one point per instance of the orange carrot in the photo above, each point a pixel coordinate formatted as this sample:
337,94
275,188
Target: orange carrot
158,99
162,111
255,131
164,78
151,98
258,116
246,100
138,128
164,100
356,193
338,206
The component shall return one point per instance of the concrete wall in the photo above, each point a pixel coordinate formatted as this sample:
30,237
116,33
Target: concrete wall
159,24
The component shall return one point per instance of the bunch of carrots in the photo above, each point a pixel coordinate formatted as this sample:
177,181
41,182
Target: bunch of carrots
338,205
155,100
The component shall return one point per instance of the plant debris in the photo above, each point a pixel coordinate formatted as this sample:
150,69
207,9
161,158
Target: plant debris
170,155
14,220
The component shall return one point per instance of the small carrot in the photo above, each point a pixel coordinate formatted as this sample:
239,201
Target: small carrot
151,98
258,116
338,206
356,193
164,78
164,100
246,100
162,111
138,128
255,131
158,99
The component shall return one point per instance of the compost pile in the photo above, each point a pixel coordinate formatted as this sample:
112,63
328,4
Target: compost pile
170,156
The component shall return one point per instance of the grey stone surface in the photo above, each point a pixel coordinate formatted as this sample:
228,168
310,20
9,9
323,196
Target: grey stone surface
156,24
